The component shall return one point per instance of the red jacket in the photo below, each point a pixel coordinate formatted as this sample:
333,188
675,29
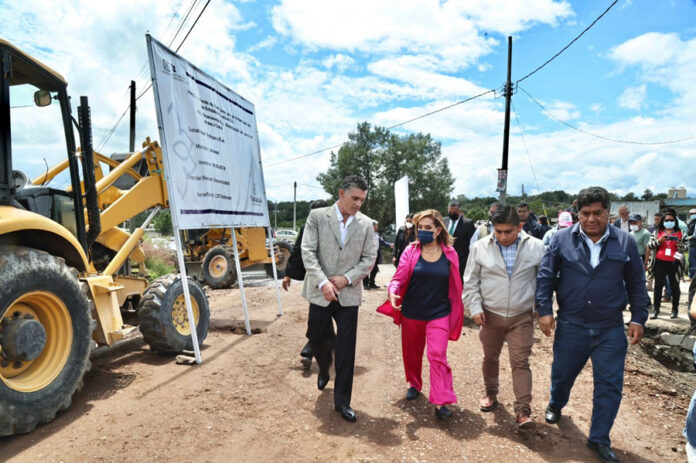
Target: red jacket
399,285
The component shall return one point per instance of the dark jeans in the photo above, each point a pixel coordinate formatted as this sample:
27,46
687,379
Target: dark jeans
572,347
319,330
664,270
692,261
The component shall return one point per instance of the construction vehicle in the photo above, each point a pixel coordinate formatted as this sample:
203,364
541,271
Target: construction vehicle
209,254
64,260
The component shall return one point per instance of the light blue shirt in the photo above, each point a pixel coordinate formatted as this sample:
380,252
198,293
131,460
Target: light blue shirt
595,248
509,253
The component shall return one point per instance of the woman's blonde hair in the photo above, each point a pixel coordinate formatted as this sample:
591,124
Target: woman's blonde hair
443,237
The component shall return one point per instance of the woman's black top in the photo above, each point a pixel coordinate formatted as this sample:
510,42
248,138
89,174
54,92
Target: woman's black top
427,296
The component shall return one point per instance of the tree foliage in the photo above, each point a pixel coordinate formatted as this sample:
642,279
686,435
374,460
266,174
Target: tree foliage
382,158
163,223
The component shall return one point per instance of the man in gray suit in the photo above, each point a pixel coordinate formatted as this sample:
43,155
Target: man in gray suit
338,251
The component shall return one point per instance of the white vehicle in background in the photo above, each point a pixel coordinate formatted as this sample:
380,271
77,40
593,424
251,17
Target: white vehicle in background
286,234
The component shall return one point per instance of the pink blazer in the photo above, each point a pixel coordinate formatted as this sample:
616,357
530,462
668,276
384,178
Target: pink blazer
399,285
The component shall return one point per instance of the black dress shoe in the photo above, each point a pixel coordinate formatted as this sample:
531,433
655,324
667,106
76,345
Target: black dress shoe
603,452
306,363
654,314
322,381
552,415
412,393
374,286
675,313
347,413
443,413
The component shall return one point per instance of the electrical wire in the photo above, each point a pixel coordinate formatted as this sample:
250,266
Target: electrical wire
529,157
115,126
313,153
615,140
569,44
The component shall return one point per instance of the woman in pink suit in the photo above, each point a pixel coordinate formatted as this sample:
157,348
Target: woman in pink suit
426,293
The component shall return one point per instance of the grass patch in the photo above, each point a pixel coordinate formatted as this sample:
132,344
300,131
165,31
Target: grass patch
159,261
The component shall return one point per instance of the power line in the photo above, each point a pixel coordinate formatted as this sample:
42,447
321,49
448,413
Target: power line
313,153
615,140
571,42
529,157
115,126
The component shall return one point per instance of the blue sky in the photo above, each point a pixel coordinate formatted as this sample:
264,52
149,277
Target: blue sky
315,68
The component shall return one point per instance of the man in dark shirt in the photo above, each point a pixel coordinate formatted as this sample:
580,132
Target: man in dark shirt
531,226
462,229
588,265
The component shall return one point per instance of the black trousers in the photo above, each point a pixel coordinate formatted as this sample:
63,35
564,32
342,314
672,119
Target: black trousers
373,274
662,271
319,329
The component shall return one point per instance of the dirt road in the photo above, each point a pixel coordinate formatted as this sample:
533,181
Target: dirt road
251,401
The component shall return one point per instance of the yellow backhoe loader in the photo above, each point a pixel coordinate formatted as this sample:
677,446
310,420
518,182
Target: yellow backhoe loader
209,254
63,258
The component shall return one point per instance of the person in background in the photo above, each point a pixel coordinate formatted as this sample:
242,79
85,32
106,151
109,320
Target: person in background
499,294
544,224
691,234
565,220
668,243
657,218
427,289
486,228
641,235
591,266
369,283
295,270
531,226
623,218
461,229
404,236
338,250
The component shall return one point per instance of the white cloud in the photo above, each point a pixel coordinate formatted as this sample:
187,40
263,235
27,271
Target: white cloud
563,110
633,97
339,61
597,107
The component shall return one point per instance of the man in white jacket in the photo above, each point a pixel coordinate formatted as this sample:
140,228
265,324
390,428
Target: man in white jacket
499,285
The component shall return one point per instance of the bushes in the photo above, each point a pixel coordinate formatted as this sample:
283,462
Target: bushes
159,260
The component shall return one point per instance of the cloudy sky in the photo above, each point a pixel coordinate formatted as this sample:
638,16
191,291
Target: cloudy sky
315,68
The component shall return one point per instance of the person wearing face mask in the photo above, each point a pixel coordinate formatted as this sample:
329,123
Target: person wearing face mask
691,233
461,229
404,237
641,235
668,244
425,298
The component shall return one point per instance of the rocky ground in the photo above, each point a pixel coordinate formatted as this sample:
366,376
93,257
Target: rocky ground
250,400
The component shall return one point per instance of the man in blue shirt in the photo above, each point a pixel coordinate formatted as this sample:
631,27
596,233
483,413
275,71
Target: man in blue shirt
588,265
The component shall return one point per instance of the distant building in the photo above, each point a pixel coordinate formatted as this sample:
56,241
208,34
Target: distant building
677,199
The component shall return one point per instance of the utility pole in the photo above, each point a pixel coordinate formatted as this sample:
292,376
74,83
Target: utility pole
131,146
294,207
503,171
276,216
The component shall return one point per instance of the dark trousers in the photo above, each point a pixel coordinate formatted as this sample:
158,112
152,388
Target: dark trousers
307,349
664,270
572,347
319,329
373,274
692,262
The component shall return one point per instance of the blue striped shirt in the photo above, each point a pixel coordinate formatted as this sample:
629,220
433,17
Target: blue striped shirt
509,253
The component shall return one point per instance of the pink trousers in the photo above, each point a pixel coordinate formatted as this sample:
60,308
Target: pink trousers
414,336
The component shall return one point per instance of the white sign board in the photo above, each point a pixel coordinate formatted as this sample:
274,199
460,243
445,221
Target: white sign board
210,145
401,200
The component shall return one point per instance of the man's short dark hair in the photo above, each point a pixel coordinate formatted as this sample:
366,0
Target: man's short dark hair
594,194
409,215
658,214
543,220
505,215
353,181
317,204
454,203
523,204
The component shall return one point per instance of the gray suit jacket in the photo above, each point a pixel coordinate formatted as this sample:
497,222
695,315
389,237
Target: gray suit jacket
323,256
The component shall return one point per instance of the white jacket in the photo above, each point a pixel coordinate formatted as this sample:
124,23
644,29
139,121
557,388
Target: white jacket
486,281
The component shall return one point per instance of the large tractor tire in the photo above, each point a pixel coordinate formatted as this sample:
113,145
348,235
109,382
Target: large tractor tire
283,251
163,319
45,337
218,268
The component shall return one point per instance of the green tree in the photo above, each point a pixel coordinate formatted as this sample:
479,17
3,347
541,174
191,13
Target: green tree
163,223
630,196
382,158
647,195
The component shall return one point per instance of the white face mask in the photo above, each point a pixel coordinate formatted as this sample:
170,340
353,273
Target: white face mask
634,228
409,225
